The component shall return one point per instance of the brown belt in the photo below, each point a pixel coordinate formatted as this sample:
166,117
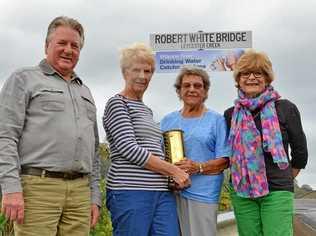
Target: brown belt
51,174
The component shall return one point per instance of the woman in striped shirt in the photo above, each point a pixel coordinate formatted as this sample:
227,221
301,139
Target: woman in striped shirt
137,186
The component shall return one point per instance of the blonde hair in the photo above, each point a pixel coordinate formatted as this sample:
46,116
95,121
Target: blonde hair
65,21
138,52
254,61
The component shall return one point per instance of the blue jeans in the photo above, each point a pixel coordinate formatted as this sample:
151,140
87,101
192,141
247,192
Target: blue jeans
142,213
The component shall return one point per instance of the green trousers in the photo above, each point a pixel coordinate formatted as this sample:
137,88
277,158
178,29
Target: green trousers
55,206
271,215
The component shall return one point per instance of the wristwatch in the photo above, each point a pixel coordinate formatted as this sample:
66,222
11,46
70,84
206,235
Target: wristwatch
200,168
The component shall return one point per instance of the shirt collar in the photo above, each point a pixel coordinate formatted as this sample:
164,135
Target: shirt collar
49,70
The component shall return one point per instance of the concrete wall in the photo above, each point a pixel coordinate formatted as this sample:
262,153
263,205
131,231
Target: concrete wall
227,227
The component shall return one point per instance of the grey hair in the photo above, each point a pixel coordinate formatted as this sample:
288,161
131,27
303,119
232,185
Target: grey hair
191,70
65,21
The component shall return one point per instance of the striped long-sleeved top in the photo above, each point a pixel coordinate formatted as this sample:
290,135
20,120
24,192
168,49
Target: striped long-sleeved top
132,135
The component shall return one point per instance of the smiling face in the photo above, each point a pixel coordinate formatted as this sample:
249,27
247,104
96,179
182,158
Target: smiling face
252,83
192,90
253,73
137,77
63,50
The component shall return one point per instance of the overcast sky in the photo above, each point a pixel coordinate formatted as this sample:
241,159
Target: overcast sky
284,29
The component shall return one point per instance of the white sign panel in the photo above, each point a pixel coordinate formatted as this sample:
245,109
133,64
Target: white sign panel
201,40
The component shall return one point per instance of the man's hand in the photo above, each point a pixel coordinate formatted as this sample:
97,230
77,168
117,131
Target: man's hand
13,206
95,213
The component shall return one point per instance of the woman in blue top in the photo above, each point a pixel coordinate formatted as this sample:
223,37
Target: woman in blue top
205,149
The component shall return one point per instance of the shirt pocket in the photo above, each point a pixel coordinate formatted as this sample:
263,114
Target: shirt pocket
50,99
90,107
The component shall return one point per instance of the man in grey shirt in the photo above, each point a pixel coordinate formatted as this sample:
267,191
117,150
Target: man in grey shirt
49,162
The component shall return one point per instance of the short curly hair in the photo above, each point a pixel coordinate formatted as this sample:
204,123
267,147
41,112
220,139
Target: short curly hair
136,52
191,70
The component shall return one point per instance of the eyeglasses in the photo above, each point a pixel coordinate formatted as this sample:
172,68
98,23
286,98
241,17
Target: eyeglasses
256,74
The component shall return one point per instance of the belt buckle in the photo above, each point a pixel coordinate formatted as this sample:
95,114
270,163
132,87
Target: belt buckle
67,175
43,174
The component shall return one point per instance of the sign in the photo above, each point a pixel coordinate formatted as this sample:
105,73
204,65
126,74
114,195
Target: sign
209,60
201,40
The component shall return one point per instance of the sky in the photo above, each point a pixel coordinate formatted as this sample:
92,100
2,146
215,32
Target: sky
284,29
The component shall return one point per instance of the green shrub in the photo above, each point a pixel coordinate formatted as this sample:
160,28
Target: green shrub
104,226
225,201
6,228
2,222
